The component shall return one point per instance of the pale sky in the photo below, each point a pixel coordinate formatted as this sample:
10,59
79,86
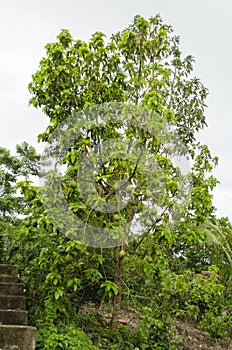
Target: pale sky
205,29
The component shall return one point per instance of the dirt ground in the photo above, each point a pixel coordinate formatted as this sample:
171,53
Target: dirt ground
189,337
194,339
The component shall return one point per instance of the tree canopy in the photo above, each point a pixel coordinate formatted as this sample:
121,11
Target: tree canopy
118,221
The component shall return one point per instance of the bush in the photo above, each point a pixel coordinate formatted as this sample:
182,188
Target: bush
218,327
159,331
51,337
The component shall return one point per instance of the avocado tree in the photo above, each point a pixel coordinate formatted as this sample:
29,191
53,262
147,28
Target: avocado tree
128,104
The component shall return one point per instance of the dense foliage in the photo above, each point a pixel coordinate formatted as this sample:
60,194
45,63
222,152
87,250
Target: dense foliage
169,273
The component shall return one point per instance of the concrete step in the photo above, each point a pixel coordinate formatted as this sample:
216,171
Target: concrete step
17,337
11,270
8,288
14,332
15,317
9,278
12,302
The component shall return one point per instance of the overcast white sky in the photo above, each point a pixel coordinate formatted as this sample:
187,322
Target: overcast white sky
205,28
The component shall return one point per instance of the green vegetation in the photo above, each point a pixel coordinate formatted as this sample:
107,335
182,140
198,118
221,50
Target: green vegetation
134,294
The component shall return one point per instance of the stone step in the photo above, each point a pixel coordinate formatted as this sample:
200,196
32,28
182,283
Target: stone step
12,302
9,278
11,270
14,317
17,337
7,288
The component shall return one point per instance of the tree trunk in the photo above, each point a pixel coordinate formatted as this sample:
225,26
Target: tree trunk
117,276
117,281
